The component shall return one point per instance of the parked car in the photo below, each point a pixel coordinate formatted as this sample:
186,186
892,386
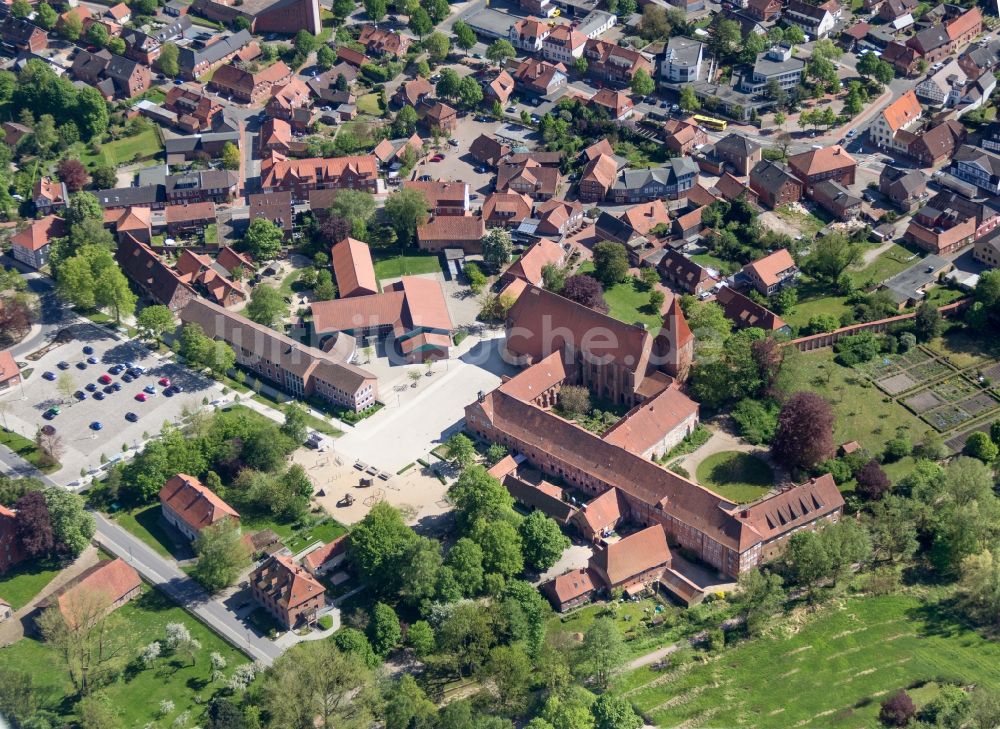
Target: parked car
453,142
96,425
51,413
127,377
90,387
149,390
81,365
48,376
88,349
131,417
116,386
98,395
164,382
80,395
141,397
63,365
92,360
116,369
108,389
104,379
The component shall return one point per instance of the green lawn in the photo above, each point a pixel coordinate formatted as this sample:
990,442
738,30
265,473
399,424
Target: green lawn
19,585
814,300
145,523
628,303
707,260
137,695
212,235
741,477
394,266
286,288
122,151
324,532
860,408
831,672
368,104
25,448
888,264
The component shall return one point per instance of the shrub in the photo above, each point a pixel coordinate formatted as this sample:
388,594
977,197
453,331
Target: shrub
757,420
326,622
857,348
897,710
897,448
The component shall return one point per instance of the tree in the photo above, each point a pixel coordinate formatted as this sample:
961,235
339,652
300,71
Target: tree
867,64
71,171
266,305
586,290
927,323
72,525
466,562
601,652
112,292
449,84
222,555
46,16
420,22
325,289
884,72
642,83
407,209
614,712
377,546
104,177
154,321
230,156
978,445
465,37
499,51
317,684
70,27
507,672
116,45
542,541
263,239
168,59
580,65
610,263
477,279
808,561
383,630
497,248
831,256
470,93
466,636
33,525
98,35
438,46
21,9
897,710
325,57
83,206
407,706
760,597
893,529
553,278
305,42
804,436
689,100
479,496
501,545
376,9
296,421
574,400
461,450
873,483
727,38
420,637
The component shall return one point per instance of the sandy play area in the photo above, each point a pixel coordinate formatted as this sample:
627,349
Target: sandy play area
419,495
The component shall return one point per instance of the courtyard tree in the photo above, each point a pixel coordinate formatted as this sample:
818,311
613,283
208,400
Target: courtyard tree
499,51
325,57
586,290
461,450
154,321
222,555
263,239
542,541
470,93
71,171
574,400
610,263
230,156
804,435
266,305
407,209
168,59
465,37
497,248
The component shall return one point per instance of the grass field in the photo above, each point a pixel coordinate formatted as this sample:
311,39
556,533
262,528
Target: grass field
888,264
368,104
861,411
145,524
395,266
832,672
19,585
137,696
709,261
122,151
741,477
813,300
627,303
323,532
25,448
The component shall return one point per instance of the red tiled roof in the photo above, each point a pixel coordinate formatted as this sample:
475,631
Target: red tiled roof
632,555
456,228
789,509
40,233
768,267
647,423
602,512
196,504
530,265
531,382
964,23
819,161
646,216
190,211
318,557
902,111
107,581
286,583
353,268
572,585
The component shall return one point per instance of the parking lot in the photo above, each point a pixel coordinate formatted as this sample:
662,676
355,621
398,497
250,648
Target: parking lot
78,418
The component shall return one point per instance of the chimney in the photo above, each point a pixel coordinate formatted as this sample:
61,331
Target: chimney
481,396
744,514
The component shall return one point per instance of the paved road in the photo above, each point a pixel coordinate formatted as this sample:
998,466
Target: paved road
165,575
53,315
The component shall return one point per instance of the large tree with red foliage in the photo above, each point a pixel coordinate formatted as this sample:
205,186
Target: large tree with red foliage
586,290
873,482
33,524
805,431
73,173
897,710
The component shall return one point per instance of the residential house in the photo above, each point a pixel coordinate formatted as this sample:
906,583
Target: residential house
279,174
287,592
681,61
14,133
10,375
564,45
892,10
977,166
939,230
499,88
904,188
276,136
772,272
209,279
145,47
197,59
687,226
815,20
392,154
902,57
100,589
353,268
672,181
540,78
79,13
444,198
276,207
195,110
613,64
683,273
617,104
828,163
528,178
597,178
836,199
201,186
732,189
937,87
199,146
152,277
18,35
135,221
744,312
49,195
506,209
529,266
557,218
381,42
119,13
190,506
936,144
354,58
32,245
325,86
249,86
297,369
647,217
633,562
570,590
412,92
327,557
979,59
764,10
291,101
452,231
774,65
437,116
488,150
189,218
528,34
739,152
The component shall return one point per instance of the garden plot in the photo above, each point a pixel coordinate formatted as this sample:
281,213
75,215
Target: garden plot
914,357
923,401
957,443
955,389
896,384
979,404
882,367
929,371
945,417
992,373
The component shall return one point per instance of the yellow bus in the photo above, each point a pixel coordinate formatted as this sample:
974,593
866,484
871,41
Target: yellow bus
718,125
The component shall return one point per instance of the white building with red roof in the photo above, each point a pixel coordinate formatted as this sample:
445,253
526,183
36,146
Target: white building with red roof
190,506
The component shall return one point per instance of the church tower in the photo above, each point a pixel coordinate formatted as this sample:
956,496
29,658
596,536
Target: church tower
674,345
